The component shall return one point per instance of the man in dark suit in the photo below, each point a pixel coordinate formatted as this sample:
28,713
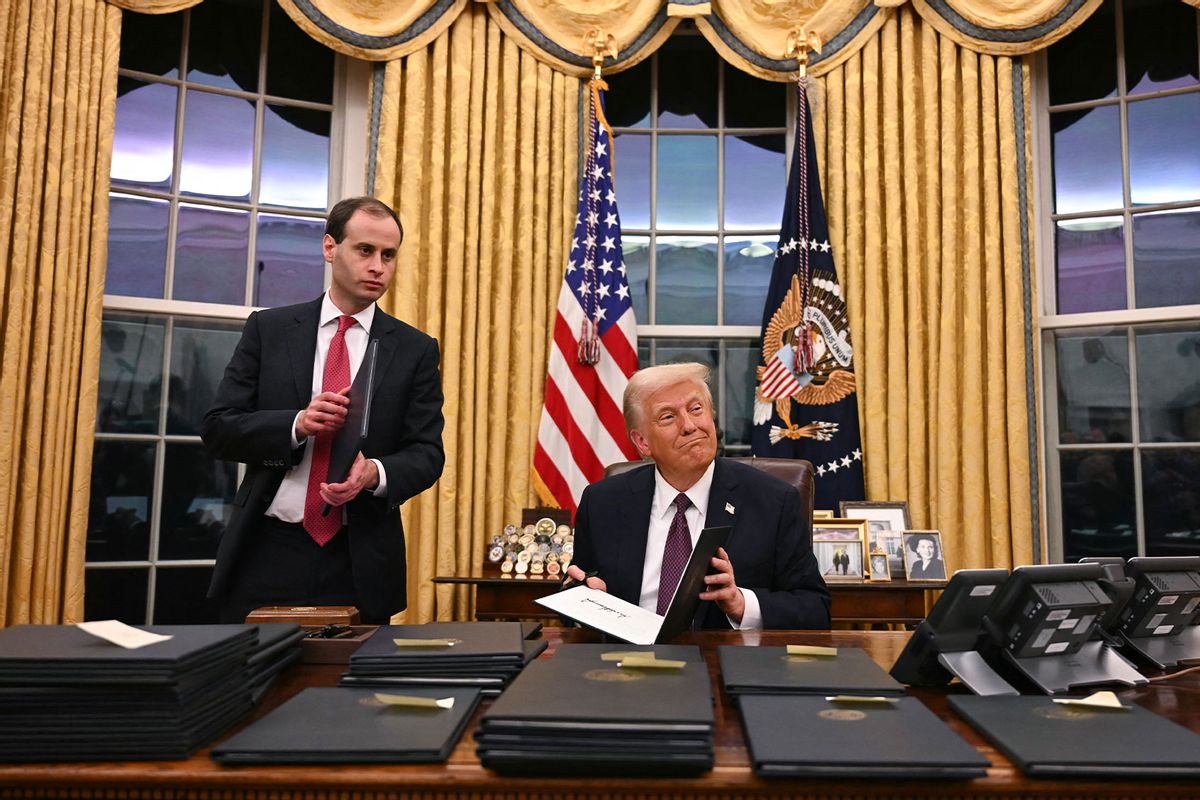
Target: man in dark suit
633,528
284,395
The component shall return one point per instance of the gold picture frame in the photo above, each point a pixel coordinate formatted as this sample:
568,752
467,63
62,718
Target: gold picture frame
823,513
879,569
839,546
886,521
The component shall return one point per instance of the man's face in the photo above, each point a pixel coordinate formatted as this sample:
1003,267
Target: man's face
363,262
677,431
925,549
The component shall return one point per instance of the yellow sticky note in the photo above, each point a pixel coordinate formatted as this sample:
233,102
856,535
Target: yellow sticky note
412,701
624,654
1102,700
850,698
650,663
811,650
423,642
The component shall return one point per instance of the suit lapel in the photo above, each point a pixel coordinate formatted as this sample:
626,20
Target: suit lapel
383,328
302,348
635,519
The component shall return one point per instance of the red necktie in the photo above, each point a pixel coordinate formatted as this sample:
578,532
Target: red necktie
335,378
676,553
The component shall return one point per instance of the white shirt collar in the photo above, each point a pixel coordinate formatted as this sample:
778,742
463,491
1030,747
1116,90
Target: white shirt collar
330,312
665,493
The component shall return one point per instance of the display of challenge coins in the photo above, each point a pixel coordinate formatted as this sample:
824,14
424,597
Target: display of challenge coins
541,551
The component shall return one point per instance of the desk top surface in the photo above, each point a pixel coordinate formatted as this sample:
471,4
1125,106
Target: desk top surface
462,775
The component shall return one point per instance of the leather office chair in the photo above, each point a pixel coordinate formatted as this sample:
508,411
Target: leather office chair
794,471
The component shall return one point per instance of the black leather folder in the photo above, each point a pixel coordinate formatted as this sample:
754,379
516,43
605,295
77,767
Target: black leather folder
350,726
476,643
770,670
809,736
1049,740
348,440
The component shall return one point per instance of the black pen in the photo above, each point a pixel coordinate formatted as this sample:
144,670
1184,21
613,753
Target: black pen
569,582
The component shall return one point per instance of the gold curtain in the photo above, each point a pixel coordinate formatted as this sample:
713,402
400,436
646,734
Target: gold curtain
478,151
926,189
58,70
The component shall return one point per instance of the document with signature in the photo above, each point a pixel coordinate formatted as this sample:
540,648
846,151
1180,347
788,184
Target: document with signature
632,623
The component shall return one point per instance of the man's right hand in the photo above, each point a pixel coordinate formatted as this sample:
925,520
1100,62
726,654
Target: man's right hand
578,576
326,412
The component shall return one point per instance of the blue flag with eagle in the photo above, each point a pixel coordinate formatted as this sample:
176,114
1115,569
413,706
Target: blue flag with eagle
805,403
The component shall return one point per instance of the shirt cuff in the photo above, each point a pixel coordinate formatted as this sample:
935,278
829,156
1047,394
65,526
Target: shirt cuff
296,442
751,614
381,489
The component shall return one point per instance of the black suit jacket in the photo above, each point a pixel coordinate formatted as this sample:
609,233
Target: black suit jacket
269,379
767,546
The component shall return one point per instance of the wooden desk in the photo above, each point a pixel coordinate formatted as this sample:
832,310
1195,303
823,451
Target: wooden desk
897,602
463,776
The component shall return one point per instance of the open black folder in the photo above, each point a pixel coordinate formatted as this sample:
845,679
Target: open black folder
349,439
631,623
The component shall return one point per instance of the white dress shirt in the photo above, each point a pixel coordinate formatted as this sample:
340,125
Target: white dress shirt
662,512
288,505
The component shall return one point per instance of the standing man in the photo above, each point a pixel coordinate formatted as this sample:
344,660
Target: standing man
284,395
637,529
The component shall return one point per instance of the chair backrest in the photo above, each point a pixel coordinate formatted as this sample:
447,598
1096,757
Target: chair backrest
793,471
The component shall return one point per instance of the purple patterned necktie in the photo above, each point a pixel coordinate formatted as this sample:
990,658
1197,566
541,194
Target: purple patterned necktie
676,553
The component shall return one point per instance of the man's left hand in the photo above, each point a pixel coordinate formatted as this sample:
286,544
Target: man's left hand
722,589
363,475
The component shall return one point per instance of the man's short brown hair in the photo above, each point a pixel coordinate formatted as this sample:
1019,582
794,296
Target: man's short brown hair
340,214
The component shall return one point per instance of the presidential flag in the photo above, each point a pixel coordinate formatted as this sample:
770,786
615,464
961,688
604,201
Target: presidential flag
805,403
594,350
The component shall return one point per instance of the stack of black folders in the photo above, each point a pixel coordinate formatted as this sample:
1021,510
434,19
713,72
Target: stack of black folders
355,726
602,710
482,655
278,648
824,712
67,695
1049,739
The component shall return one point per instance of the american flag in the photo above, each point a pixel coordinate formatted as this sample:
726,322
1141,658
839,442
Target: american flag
595,338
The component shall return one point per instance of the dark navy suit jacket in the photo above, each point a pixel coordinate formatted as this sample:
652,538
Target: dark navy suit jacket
767,547
269,379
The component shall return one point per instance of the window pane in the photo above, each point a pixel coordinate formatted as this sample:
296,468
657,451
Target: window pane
288,265
1097,502
196,503
1164,163
151,42
210,255
137,246
1090,265
224,43
130,387
636,253
1166,258
116,594
741,358
751,102
199,352
1160,45
1087,159
687,83
631,177
685,277
298,66
1083,65
181,597
1093,388
218,146
627,101
748,264
1171,487
676,351
687,183
755,180
1168,366
121,504
144,135
295,158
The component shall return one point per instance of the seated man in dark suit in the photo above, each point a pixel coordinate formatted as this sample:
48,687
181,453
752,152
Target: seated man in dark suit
637,529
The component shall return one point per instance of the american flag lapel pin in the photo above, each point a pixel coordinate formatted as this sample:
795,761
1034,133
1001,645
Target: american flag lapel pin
729,508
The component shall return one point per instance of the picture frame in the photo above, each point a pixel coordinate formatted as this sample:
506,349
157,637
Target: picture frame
887,520
923,562
823,513
878,567
839,546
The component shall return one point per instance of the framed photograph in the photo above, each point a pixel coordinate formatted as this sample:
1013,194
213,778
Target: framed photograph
822,513
840,549
878,567
886,521
924,559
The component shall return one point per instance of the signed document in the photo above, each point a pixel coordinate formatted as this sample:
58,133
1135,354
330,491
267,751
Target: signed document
632,623
606,613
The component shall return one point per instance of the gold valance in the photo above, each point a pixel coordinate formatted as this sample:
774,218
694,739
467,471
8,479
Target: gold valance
752,35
